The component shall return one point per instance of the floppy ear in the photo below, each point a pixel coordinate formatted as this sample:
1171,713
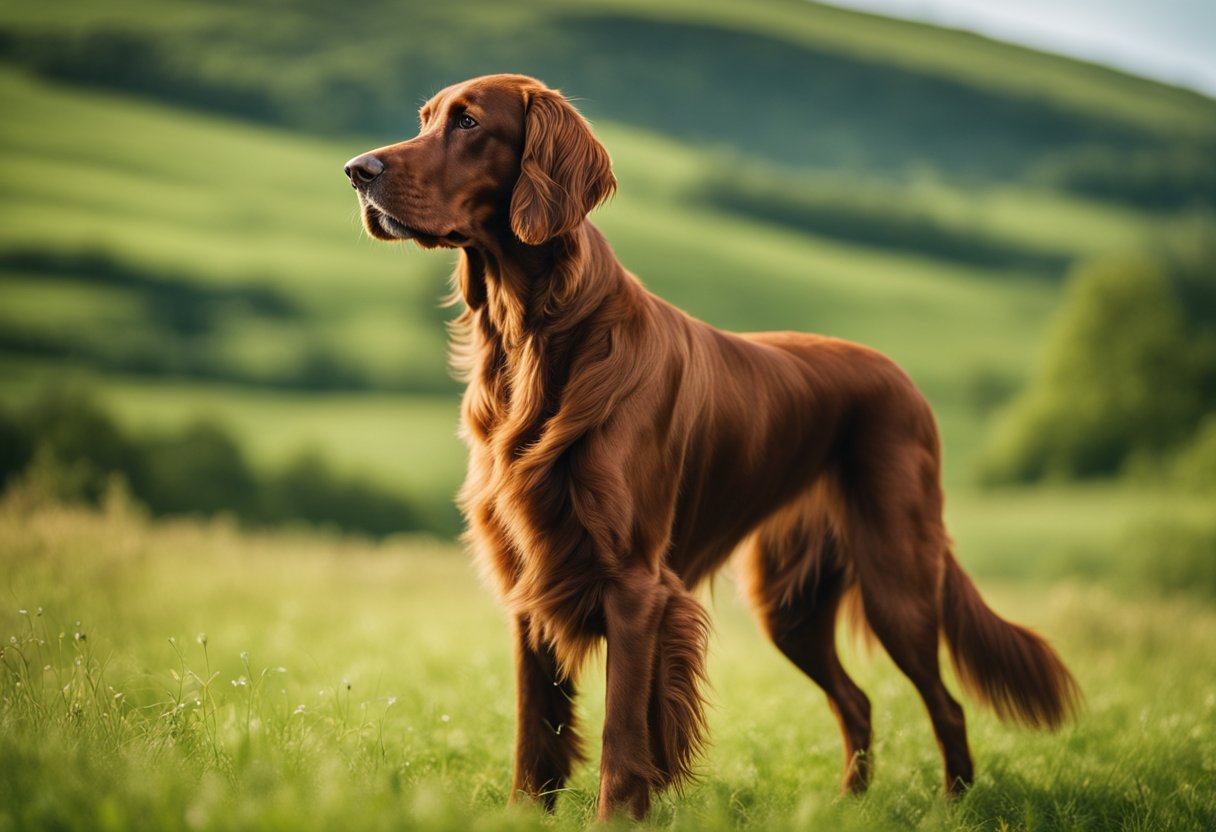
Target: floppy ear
564,172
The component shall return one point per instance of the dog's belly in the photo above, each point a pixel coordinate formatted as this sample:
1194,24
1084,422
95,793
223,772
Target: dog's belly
786,410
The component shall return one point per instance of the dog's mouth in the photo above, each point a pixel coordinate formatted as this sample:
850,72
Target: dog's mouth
383,225
391,226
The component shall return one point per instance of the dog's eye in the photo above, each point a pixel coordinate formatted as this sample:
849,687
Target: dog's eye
466,122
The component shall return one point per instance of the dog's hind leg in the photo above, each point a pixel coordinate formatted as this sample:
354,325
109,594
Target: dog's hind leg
797,579
898,544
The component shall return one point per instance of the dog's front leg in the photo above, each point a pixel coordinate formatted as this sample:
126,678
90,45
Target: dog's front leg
546,744
633,609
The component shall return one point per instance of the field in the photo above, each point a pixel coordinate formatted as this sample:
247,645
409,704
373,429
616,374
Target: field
189,676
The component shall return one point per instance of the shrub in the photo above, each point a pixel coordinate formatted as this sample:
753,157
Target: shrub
1170,554
201,469
79,445
76,449
308,489
1194,467
1129,370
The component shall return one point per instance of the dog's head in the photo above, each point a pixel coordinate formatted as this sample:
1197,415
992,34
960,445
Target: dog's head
497,155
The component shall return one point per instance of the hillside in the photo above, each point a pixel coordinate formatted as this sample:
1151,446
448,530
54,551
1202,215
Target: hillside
246,271
180,239
805,84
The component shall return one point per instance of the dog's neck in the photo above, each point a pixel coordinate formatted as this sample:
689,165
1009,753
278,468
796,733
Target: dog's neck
529,309
521,292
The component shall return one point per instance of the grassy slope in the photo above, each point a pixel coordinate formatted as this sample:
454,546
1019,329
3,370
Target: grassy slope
1000,68
393,710
260,206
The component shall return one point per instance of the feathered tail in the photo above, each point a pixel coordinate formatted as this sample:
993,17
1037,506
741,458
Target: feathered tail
1004,665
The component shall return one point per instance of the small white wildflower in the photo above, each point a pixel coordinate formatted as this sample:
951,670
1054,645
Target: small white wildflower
299,709
79,661
23,612
240,682
244,655
38,611
346,683
445,718
392,700
198,702
280,669
46,668
202,639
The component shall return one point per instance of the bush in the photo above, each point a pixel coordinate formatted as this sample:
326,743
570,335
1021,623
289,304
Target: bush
1194,467
77,449
77,444
1170,554
1129,370
308,489
200,470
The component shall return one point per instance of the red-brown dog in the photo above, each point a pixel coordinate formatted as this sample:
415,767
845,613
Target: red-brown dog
621,450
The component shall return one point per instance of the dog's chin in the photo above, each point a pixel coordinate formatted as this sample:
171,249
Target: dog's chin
384,226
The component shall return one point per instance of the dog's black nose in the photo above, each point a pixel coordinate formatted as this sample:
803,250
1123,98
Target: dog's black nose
361,170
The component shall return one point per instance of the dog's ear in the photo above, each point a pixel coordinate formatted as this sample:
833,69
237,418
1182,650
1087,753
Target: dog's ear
564,172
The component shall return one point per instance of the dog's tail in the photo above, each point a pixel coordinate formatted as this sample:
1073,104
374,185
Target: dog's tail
677,712
1008,667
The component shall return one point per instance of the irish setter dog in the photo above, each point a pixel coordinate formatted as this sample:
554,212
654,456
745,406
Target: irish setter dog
620,451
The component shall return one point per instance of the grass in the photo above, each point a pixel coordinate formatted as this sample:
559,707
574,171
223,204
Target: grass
180,675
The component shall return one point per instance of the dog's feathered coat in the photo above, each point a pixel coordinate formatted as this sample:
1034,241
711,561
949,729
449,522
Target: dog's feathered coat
621,450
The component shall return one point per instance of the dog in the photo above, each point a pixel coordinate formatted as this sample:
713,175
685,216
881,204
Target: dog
620,451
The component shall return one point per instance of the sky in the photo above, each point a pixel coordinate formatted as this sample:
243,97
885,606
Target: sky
1170,40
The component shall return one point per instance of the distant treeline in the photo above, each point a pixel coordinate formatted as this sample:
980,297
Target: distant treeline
179,332
1128,379
74,447
869,213
1169,179
782,100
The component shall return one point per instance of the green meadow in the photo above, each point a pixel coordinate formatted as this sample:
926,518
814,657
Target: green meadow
188,676
181,256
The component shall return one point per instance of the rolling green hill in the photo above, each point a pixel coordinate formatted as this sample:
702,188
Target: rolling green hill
178,234
258,242
804,84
